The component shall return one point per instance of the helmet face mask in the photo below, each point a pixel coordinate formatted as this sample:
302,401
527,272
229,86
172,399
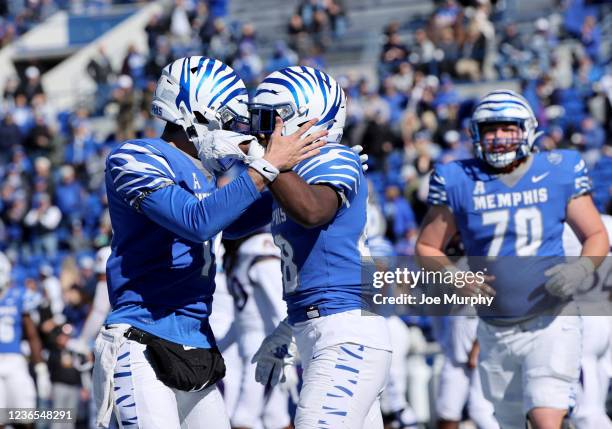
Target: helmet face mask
263,116
509,116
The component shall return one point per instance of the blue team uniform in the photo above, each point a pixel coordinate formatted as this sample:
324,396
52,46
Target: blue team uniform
165,212
14,303
322,266
523,220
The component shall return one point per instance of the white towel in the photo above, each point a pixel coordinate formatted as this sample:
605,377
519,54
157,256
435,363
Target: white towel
108,342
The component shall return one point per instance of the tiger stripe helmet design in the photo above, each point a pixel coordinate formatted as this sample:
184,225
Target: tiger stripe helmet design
206,89
504,106
299,94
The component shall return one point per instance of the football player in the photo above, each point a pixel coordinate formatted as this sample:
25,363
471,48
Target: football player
321,235
590,409
512,202
255,282
165,212
17,388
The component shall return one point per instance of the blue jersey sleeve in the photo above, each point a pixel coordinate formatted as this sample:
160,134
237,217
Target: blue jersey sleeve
137,171
258,215
437,195
582,181
199,220
336,166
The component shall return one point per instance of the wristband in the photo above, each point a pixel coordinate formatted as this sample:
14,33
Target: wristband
264,168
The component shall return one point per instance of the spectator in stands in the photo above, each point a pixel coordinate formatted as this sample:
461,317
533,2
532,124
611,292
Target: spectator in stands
423,52
473,51
10,135
281,57
512,55
42,221
69,195
401,222
39,141
394,52
123,97
22,113
180,27
337,16
221,45
449,48
590,37
297,33
248,65
101,71
31,86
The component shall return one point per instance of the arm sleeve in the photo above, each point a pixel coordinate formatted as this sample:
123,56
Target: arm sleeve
199,220
582,181
258,215
138,170
336,166
97,315
437,195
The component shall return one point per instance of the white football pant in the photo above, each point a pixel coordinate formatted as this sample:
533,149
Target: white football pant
346,359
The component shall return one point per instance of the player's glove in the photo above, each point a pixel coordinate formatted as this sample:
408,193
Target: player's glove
43,381
363,158
565,279
277,351
218,150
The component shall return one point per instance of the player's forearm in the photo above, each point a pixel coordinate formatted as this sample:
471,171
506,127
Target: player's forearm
308,205
596,247
258,215
200,220
431,257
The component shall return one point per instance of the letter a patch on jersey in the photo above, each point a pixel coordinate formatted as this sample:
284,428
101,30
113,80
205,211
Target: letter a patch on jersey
479,188
196,183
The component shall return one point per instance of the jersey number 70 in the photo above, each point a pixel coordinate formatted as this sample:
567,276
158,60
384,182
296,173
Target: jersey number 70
527,227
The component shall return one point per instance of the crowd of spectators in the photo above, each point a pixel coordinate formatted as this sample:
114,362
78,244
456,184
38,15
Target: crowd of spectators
53,208
418,114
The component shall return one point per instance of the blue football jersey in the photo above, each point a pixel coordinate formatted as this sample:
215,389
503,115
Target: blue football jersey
14,303
322,266
158,281
502,221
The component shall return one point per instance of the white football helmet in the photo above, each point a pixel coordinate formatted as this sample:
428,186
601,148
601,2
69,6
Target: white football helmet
207,90
5,272
299,94
503,106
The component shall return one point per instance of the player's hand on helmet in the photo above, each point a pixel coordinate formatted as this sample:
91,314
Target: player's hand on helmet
277,352
283,152
43,381
217,149
565,279
362,157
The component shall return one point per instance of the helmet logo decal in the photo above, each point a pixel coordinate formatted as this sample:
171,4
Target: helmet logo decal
286,85
185,83
207,70
225,88
297,82
320,81
334,109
